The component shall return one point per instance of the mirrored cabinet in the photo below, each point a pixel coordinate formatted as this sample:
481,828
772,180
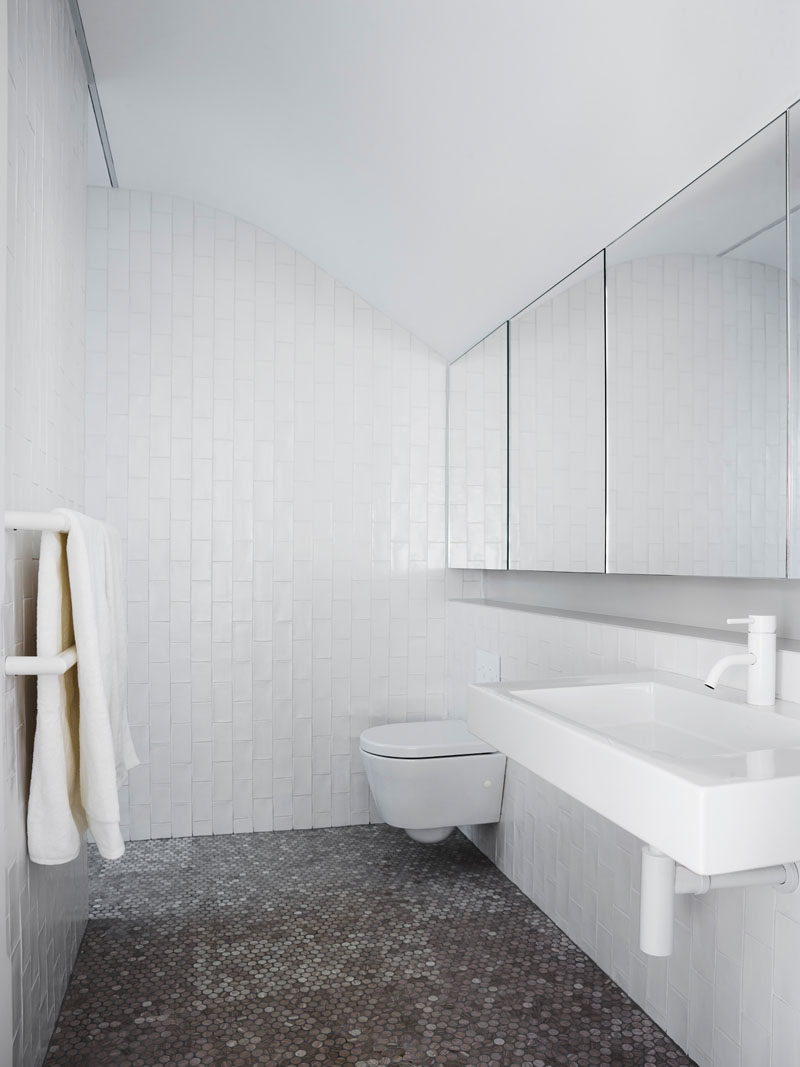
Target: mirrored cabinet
696,305
794,342
648,406
556,427
477,419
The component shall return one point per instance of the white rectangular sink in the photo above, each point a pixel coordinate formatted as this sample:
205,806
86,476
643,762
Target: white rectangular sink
700,775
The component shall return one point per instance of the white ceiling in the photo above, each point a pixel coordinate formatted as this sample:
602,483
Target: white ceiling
447,159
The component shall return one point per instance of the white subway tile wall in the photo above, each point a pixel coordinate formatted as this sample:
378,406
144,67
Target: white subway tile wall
697,417
272,450
42,468
477,455
556,431
730,993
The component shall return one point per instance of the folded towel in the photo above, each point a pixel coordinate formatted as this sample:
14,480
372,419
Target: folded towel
105,751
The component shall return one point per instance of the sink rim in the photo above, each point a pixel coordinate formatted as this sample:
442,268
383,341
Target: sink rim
713,703
722,694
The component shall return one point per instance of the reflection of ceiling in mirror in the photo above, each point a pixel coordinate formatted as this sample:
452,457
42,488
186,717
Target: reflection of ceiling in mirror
767,247
735,209
794,160
590,269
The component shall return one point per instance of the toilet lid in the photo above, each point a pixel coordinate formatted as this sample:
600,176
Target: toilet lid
423,740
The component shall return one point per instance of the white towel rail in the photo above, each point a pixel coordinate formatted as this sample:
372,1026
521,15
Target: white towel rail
29,665
36,520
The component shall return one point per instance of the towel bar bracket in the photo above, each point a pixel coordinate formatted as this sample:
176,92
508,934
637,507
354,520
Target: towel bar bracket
32,665
36,520
29,665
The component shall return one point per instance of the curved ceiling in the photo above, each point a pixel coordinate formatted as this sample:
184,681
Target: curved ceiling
447,159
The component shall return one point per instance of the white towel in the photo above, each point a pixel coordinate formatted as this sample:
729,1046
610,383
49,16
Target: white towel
56,818
105,751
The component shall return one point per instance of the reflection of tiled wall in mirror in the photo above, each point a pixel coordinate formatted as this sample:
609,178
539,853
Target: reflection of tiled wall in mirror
557,431
794,341
477,464
793,552
697,417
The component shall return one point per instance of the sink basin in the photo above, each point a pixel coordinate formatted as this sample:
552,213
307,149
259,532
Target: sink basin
700,775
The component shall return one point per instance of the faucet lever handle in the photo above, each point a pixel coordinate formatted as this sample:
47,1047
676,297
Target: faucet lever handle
756,624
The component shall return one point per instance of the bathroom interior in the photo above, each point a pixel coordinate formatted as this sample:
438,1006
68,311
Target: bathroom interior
437,366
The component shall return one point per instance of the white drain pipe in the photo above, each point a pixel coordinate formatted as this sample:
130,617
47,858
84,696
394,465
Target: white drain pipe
662,878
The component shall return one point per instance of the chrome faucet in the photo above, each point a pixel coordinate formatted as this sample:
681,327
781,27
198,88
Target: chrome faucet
759,658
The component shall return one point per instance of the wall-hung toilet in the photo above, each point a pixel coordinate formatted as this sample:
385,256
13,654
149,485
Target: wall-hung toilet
429,777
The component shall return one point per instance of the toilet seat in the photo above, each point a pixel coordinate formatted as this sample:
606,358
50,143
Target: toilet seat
423,740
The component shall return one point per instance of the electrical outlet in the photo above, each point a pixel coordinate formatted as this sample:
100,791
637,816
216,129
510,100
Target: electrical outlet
487,667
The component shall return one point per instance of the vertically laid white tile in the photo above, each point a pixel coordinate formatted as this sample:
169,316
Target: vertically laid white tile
787,949
727,1004
701,1017
785,1033
757,984
279,442
756,1045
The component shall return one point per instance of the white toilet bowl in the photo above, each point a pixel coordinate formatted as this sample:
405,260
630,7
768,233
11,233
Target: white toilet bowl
429,777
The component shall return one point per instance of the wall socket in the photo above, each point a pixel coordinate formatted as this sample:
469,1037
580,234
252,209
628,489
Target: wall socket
487,666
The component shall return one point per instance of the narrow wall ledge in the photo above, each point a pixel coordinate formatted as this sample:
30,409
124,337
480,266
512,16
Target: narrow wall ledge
726,635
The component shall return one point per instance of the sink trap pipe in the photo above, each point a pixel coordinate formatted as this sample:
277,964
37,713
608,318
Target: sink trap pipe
663,878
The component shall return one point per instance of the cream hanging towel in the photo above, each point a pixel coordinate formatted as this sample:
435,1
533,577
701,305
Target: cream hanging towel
82,746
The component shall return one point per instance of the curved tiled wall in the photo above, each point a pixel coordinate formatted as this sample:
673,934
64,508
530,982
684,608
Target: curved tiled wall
272,450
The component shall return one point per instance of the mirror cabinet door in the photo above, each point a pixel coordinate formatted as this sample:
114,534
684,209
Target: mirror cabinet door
697,375
478,456
556,446
794,343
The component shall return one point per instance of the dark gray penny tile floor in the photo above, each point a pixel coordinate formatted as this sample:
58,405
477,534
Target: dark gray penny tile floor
346,946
